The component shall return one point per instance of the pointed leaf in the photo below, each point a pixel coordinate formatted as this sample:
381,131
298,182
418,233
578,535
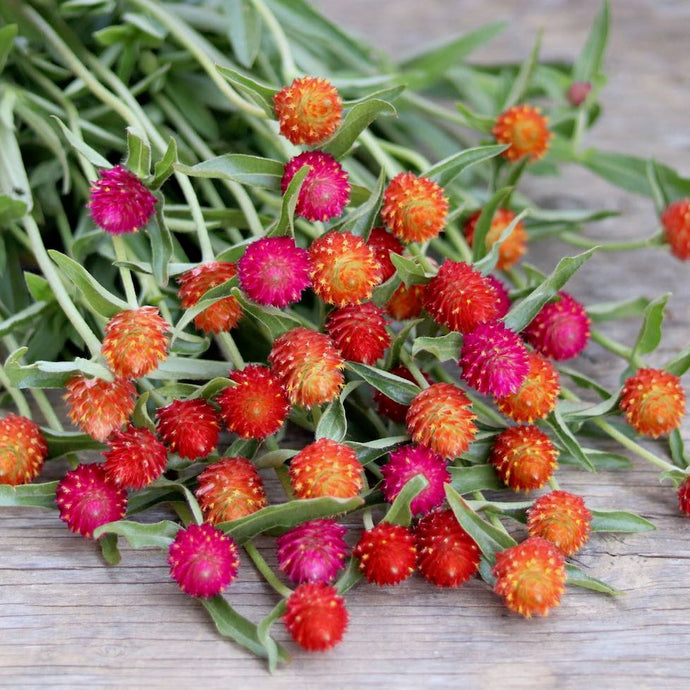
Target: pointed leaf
483,226
165,167
138,153
81,147
619,521
262,94
466,480
244,30
398,389
445,171
399,513
445,348
141,535
333,422
249,170
286,221
577,578
522,80
649,337
487,264
588,64
35,495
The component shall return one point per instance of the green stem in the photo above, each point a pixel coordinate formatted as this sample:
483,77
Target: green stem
371,143
459,242
265,570
227,344
553,483
16,395
612,346
125,273
367,519
407,360
418,253
580,241
287,62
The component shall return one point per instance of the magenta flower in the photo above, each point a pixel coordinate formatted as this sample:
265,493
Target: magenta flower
494,360
325,190
120,203
313,552
274,271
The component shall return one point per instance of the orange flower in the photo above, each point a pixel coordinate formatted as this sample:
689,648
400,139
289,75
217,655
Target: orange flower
525,129
562,518
512,249
676,222
23,450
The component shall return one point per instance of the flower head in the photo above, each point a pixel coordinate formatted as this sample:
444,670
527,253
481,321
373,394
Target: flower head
386,553
653,402
87,499
494,360
220,316
387,406
684,496
382,243
23,450
406,302
525,129
119,202
358,331
326,468
344,269
460,298
325,190
136,457
414,208
409,461
189,428
446,555
309,110
440,418
257,405
537,395
530,577
313,552
524,457
203,560
676,223
135,342
315,616
503,299
308,366
274,271
513,247
229,489
99,407
560,330
562,518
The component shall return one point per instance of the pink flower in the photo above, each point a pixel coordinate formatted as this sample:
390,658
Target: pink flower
119,202
274,271
325,190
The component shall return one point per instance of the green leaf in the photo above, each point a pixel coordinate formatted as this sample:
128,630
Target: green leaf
398,389
286,515
584,381
577,578
619,521
23,318
487,264
409,270
39,287
165,167
7,35
478,122
589,411
176,368
333,422
588,64
399,513
444,348
261,93
489,539
81,147
623,309
522,313
109,550
360,221
356,121
567,438
649,337
521,82
35,495
161,246
445,171
249,170
141,535
138,153
263,633
230,624
371,450
62,443
11,210
661,200
677,449
276,321
244,30
483,226
466,480
603,460
97,298
286,221
679,364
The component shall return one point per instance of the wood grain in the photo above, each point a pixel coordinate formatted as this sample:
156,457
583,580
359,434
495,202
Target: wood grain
67,621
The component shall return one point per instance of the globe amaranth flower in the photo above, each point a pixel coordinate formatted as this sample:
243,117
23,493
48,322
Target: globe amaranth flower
675,221
274,271
562,518
684,496
414,208
358,332
189,428
135,458
406,302
526,131
309,110
119,201
387,554
512,248
23,450
382,243
325,190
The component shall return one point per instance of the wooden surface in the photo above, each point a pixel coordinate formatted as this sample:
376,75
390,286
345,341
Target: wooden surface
67,621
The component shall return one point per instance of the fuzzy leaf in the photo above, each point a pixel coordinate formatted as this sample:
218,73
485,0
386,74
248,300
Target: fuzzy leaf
577,578
677,449
624,309
44,374
466,480
399,513
483,226
81,147
11,210
522,80
588,64
619,521
659,195
445,171
110,552
649,337
567,438
249,170
398,389
275,321
410,271
333,422
371,450
679,364
176,368
23,318
141,535
7,35
286,221
363,218
138,153
65,442
244,30
444,348
35,495
261,93
165,167
161,245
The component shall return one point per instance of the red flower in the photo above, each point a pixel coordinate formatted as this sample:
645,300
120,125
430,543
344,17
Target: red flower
230,489
308,366
326,468
257,405
309,110
676,223
525,129
524,457
99,407
503,299
530,577
514,246
414,208
653,402
220,316
23,450
189,428
87,499
440,418
135,342
119,201
460,298
446,555
382,243
203,561
136,457
684,497
562,519
344,269
406,302
359,332
386,553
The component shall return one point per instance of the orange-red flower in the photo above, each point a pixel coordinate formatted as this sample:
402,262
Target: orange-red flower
406,302
514,246
562,518
525,129
386,553
189,428
359,332
382,243
23,450
136,457
676,223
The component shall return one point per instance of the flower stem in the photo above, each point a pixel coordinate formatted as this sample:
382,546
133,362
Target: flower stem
265,570
125,274
17,396
287,62
612,346
227,344
408,361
